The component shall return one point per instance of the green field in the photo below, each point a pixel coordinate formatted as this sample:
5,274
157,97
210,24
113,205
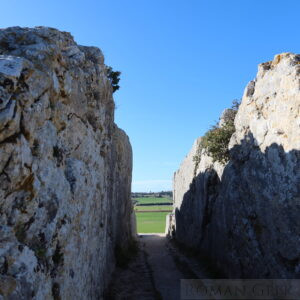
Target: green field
151,218
153,207
150,200
151,222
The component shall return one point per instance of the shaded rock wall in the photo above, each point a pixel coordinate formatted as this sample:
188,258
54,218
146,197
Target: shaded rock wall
65,168
244,216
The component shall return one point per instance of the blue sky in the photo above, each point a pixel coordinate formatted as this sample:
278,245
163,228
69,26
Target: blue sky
182,63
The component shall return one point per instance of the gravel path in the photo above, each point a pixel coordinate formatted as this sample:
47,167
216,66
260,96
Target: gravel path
155,273
164,270
133,283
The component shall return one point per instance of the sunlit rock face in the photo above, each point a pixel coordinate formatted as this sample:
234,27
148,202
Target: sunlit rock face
65,168
244,216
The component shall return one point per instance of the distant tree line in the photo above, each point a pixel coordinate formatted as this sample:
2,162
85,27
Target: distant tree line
153,194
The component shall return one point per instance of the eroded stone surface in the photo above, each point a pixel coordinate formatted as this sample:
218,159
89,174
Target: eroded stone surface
244,216
65,168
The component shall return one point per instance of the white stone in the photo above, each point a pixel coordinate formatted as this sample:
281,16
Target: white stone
244,216
10,65
65,169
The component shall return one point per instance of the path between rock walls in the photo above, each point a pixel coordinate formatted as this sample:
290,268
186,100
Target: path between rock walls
164,270
155,273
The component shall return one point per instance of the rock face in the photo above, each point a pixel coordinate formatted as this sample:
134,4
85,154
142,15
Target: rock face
65,168
244,216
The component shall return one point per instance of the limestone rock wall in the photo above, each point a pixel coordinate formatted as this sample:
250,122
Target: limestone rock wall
65,168
244,216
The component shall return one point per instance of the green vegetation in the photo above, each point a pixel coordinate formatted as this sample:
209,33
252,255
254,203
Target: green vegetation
165,194
153,208
152,200
151,222
114,77
216,140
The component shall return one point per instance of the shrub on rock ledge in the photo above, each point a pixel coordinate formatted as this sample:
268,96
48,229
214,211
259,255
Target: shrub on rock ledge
215,141
114,77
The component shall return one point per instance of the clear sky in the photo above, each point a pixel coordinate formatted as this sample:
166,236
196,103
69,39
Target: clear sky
182,62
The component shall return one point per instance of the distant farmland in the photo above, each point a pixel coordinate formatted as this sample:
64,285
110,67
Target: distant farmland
152,200
151,213
151,222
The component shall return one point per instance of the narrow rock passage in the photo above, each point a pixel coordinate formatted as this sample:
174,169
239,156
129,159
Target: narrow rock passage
155,273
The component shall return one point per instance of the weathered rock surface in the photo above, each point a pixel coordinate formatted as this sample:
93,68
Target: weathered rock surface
65,168
245,216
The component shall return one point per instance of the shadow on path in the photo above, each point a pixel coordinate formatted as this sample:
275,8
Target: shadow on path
155,273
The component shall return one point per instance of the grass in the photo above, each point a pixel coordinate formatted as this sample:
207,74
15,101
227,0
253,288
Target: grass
153,208
151,222
152,200
151,213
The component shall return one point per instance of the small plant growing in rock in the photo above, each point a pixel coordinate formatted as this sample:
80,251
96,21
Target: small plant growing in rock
114,77
215,141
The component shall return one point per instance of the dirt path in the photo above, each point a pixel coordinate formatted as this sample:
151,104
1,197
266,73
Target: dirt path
165,273
135,282
155,273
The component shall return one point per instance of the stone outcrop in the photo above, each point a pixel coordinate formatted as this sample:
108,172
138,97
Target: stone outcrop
65,168
244,216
